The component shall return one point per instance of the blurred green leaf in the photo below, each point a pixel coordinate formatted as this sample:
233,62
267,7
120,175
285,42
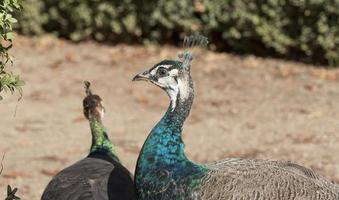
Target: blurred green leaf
8,81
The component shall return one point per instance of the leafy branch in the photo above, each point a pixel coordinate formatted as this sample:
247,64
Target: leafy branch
8,81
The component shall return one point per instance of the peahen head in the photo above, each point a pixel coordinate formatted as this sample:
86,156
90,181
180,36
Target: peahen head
173,76
93,105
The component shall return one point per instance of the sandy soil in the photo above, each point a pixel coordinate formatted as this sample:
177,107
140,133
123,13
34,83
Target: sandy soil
244,107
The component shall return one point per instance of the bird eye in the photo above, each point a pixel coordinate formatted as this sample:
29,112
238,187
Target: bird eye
162,72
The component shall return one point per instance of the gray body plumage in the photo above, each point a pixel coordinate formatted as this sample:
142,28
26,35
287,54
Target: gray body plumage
86,179
240,179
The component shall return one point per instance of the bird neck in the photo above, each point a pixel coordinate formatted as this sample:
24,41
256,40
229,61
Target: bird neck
164,147
100,140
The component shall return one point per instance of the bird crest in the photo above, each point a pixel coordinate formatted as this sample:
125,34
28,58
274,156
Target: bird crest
87,88
189,45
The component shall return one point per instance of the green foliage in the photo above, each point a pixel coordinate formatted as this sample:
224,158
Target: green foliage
31,18
80,20
8,81
307,28
299,29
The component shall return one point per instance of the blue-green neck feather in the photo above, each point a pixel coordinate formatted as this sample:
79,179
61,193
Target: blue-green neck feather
163,151
164,145
100,141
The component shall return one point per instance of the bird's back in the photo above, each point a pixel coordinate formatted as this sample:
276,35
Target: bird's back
120,182
91,178
86,179
233,179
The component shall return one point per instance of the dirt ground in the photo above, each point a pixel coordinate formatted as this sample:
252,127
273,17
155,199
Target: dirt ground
244,107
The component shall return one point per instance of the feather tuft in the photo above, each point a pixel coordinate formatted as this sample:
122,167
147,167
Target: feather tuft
87,88
190,43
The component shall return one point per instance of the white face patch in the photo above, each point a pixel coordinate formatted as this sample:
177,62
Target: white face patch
173,96
170,85
174,72
183,85
176,85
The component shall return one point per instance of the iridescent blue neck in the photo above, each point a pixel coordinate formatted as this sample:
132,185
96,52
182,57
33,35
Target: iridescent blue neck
164,148
164,145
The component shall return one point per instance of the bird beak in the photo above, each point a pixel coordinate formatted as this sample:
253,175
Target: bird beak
145,76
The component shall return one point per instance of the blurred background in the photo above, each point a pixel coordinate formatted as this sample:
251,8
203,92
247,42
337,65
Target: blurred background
267,86
299,29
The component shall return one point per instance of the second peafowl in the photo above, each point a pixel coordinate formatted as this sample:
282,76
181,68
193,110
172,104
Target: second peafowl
99,176
164,172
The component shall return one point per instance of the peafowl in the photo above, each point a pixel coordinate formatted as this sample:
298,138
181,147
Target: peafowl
99,176
164,172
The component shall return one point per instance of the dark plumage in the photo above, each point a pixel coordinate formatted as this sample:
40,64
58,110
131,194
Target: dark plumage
99,176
